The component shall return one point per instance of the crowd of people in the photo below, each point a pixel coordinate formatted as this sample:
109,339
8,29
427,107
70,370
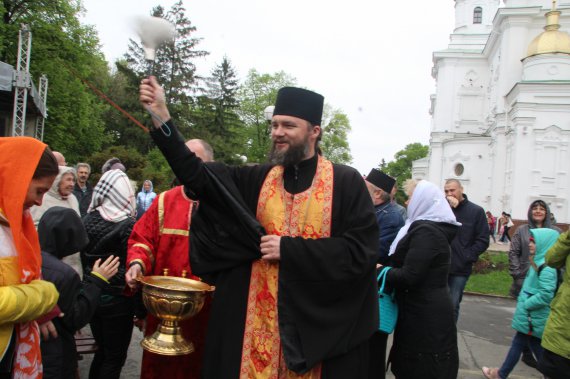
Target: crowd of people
293,247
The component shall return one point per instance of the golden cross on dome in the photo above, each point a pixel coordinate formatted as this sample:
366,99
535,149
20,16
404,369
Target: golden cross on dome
553,5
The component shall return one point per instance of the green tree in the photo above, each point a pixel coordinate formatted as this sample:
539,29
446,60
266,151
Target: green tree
334,144
218,113
134,162
74,124
35,14
401,167
256,93
174,66
157,170
123,90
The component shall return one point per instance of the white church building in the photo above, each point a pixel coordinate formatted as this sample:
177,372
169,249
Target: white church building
501,111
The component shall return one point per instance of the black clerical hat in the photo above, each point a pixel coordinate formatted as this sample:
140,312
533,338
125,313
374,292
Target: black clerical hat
301,103
381,180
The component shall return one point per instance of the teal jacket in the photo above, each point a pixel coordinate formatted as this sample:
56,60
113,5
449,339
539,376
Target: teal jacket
533,304
557,333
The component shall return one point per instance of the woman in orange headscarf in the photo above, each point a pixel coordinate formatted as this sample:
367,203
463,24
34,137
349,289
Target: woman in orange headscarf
27,170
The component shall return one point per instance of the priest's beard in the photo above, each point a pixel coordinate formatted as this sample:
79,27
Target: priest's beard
291,156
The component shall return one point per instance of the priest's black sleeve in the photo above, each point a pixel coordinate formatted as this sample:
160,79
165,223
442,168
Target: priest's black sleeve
188,168
224,232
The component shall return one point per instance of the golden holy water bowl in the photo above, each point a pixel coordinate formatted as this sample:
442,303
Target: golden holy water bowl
171,299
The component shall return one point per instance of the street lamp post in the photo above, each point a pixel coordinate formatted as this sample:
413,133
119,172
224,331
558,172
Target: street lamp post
268,113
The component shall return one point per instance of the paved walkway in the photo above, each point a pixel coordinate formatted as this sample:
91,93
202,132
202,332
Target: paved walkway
499,246
484,338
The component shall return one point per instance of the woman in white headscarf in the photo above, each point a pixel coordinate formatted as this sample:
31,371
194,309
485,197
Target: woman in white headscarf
109,223
425,340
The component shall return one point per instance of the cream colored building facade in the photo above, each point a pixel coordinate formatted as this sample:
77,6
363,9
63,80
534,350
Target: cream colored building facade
501,111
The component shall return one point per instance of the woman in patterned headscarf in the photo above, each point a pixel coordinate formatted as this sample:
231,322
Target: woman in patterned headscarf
109,223
23,295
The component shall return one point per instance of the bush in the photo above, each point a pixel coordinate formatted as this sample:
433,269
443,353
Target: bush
490,262
490,274
153,166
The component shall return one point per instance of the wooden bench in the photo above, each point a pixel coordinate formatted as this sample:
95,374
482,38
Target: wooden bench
85,344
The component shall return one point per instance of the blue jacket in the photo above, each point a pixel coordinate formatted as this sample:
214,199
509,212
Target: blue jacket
144,199
533,303
471,240
389,221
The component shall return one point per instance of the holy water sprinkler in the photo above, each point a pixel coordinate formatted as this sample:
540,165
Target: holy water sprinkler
153,31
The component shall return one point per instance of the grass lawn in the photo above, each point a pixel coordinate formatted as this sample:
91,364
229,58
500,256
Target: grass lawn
491,274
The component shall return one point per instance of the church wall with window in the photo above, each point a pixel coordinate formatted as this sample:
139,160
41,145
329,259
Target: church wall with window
502,104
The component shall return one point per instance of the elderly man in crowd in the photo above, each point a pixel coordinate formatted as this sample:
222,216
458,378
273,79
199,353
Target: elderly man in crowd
83,190
390,221
59,158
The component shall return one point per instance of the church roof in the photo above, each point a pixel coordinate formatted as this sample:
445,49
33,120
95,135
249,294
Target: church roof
552,40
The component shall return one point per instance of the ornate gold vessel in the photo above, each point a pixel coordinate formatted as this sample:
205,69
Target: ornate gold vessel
171,299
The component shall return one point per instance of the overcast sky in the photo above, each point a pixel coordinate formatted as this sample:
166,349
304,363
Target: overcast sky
371,59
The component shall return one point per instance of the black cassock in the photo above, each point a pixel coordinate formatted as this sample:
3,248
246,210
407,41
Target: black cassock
327,291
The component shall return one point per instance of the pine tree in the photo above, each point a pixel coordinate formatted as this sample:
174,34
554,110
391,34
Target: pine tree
224,124
222,89
174,66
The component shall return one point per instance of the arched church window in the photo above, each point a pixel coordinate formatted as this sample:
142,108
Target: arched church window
459,169
477,15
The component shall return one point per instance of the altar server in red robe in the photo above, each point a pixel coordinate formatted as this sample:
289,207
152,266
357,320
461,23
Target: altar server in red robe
159,241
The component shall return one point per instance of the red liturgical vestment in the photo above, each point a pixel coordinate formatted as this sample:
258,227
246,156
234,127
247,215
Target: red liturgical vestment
160,241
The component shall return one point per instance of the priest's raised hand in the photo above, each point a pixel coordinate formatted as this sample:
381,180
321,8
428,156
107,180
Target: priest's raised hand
151,96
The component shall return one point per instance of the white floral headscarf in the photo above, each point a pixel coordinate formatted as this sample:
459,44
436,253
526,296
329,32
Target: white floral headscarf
428,203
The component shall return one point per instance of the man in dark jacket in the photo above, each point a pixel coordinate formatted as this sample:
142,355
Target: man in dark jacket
387,215
471,240
83,191
390,221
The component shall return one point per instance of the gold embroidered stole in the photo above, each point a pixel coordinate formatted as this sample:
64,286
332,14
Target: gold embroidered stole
306,215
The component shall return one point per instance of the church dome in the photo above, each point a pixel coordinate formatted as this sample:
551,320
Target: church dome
552,40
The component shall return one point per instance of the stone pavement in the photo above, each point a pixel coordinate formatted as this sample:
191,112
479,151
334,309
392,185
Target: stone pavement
484,337
499,246
131,369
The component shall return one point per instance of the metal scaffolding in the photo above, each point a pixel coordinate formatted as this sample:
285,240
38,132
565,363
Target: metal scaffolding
41,119
22,81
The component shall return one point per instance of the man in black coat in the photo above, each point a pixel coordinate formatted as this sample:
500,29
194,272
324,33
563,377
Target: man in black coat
83,191
315,290
390,222
471,240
